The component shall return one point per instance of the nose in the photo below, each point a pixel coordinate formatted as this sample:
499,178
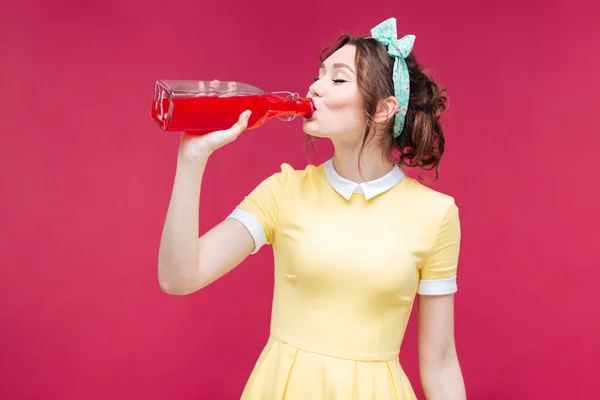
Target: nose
316,89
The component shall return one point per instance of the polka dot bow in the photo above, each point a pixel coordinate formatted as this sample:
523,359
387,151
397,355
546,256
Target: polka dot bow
399,49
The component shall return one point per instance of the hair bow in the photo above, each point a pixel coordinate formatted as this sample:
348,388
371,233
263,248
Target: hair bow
399,49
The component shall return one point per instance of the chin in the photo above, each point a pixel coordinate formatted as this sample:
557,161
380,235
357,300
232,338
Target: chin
346,133
311,127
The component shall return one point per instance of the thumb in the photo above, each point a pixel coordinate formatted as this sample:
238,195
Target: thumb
242,123
236,129
244,118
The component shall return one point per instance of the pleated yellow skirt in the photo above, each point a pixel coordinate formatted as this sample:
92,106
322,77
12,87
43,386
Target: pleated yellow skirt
285,372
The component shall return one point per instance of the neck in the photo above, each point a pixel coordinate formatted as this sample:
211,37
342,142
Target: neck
373,161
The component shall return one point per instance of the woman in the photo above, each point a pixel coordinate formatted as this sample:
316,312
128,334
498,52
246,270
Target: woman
354,239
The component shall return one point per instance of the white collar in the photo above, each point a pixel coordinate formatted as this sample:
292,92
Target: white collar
370,189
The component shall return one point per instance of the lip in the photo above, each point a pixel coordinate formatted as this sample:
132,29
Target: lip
313,108
311,116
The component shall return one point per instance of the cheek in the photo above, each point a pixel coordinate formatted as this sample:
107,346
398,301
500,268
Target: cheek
347,101
347,110
347,98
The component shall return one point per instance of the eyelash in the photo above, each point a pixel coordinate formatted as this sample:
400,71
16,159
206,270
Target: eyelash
334,80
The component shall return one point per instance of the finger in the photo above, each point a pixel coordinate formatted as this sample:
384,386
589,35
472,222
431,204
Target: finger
243,119
236,129
240,125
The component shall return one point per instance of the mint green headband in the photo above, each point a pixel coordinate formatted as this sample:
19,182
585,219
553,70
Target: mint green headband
399,49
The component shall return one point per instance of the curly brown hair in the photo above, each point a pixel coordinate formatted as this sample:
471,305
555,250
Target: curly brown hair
421,143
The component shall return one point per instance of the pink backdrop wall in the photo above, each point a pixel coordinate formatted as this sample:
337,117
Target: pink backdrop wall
86,179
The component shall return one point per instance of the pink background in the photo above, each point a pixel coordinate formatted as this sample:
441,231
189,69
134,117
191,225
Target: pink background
86,179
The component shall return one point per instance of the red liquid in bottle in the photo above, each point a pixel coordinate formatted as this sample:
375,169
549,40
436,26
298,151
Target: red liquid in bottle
201,113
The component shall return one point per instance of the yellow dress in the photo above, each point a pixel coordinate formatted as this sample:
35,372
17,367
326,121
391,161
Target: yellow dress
349,261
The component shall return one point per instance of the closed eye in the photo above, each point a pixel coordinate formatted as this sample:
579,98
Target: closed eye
334,80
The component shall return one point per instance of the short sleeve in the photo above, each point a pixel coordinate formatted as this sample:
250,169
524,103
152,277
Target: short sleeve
438,275
258,210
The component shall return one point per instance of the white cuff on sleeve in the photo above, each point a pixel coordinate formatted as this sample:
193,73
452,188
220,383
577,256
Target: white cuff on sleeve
437,286
252,225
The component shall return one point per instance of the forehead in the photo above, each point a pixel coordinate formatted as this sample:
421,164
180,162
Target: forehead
345,54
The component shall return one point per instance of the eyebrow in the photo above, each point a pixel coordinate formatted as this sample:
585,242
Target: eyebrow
340,65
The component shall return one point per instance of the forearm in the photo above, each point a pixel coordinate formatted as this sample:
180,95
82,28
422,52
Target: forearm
443,380
178,267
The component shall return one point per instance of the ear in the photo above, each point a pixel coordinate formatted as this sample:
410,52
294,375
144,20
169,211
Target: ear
386,110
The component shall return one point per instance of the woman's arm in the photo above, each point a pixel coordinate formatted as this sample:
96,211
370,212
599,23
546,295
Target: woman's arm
186,263
440,372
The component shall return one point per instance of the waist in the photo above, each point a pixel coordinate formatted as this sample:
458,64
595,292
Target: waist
340,349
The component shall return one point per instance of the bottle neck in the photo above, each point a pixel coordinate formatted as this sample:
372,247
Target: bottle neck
307,106
292,104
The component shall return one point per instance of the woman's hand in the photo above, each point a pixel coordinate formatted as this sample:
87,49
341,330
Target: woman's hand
193,147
